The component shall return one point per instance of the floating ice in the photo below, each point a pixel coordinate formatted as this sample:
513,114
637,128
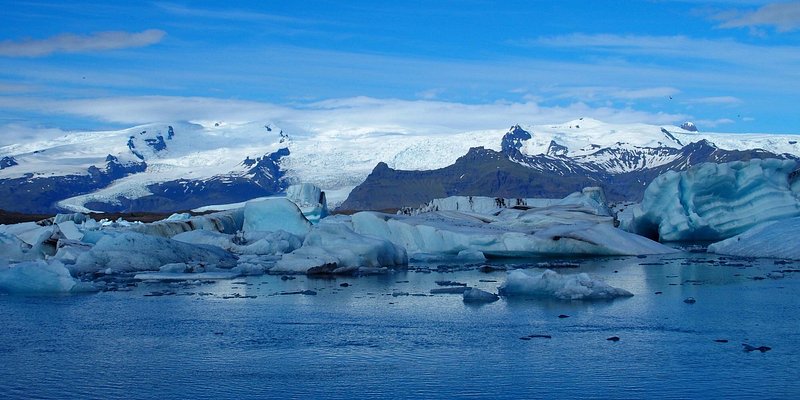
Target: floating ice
592,198
565,287
513,233
268,243
224,221
40,277
69,230
475,295
310,199
275,214
180,276
775,239
132,251
716,201
338,247
178,217
11,248
211,238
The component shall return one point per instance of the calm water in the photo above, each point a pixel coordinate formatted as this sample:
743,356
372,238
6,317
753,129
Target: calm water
362,342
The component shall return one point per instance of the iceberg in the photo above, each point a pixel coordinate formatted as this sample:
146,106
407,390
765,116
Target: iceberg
551,284
228,222
275,214
590,197
475,295
513,233
716,201
775,239
132,251
310,199
337,249
210,238
40,277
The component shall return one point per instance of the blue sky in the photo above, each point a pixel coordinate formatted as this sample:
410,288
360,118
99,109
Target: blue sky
730,66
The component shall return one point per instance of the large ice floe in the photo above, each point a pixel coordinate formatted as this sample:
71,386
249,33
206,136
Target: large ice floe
578,226
551,284
716,201
774,239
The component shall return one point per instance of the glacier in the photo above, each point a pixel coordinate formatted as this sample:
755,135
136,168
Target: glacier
716,201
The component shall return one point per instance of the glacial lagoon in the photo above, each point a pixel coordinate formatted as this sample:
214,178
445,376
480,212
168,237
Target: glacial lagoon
386,336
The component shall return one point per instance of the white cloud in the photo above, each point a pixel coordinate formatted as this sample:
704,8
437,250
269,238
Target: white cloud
71,43
713,123
345,116
784,17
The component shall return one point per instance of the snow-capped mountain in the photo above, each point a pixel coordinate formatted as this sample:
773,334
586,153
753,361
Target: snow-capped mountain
176,166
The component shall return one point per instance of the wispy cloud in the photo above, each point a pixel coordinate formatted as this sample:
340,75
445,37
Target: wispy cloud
673,47
586,93
227,14
784,17
72,43
715,100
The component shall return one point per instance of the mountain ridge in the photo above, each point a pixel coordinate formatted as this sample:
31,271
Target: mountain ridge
183,165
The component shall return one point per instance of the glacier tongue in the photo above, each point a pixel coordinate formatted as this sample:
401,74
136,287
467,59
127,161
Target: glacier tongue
717,201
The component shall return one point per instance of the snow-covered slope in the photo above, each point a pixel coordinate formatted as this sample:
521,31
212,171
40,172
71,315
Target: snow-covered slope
187,156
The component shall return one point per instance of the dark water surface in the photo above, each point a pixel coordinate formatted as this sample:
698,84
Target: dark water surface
362,342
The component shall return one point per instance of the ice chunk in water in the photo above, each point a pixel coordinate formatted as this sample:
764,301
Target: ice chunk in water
40,277
565,287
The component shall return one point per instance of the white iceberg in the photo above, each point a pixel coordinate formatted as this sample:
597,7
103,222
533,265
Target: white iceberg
554,285
716,201
775,239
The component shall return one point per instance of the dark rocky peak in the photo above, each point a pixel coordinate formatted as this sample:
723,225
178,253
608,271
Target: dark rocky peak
6,162
157,144
132,147
278,154
116,169
479,153
266,171
170,132
249,162
556,150
671,136
512,140
689,126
